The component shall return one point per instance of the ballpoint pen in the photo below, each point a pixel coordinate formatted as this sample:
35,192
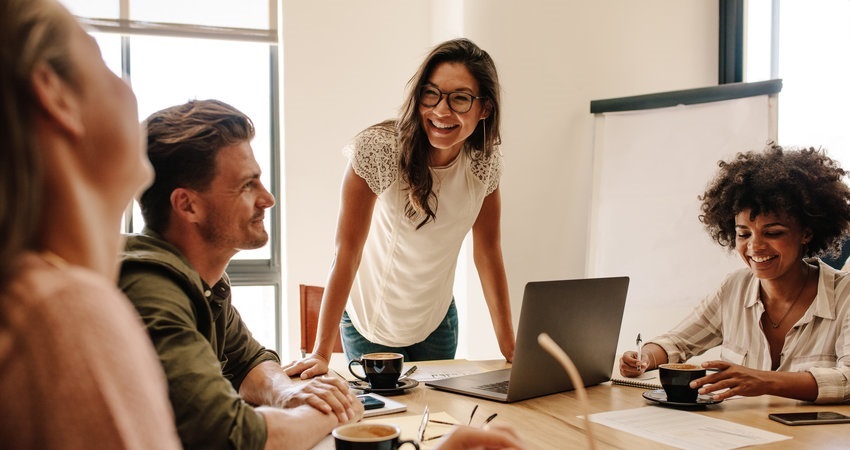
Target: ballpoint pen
639,344
409,372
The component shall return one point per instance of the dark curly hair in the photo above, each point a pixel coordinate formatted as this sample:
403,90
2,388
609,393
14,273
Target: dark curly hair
804,184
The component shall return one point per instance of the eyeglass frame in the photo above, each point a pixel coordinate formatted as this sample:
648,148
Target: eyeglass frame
448,96
423,425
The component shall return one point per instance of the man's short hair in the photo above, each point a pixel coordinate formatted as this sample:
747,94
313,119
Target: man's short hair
183,142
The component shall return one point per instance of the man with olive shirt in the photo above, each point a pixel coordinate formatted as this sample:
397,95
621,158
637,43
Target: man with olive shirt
207,203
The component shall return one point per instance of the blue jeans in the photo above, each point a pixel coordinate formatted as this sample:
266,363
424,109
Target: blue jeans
440,344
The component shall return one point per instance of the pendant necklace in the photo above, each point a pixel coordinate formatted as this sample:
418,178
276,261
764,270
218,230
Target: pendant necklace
796,299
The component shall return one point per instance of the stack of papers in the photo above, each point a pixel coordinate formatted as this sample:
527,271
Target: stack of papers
684,429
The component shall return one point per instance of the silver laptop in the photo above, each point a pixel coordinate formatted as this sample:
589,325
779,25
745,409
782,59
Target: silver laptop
583,316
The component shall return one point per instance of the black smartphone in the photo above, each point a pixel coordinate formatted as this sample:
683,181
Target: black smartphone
810,418
370,402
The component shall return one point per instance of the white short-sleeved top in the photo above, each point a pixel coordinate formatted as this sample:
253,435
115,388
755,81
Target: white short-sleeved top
403,287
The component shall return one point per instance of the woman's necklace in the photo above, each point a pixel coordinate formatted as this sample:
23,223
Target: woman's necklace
796,299
53,259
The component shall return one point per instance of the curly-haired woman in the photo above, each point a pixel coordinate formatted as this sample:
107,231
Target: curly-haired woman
783,323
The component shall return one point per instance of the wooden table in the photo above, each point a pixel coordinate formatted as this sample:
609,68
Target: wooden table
551,422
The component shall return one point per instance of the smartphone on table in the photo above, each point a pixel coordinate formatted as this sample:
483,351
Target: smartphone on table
809,418
370,402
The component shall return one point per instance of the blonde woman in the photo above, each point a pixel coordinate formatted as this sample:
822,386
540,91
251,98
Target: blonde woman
76,368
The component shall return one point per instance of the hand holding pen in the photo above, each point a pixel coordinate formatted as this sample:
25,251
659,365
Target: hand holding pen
639,344
632,363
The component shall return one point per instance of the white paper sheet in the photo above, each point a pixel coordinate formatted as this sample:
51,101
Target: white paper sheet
456,368
684,429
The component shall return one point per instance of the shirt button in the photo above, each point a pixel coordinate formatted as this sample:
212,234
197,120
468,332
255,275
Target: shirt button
207,293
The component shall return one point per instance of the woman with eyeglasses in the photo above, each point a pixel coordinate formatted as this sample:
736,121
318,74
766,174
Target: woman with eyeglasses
413,189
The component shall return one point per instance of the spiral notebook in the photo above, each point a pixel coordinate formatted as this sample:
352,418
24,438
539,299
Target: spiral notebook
648,380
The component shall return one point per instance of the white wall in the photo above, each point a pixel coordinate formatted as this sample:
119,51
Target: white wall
660,244
345,67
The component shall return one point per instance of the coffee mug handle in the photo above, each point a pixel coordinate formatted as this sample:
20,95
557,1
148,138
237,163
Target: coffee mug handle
352,371
414,443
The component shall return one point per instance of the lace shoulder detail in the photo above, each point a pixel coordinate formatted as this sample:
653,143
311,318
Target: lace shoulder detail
488,169
374,156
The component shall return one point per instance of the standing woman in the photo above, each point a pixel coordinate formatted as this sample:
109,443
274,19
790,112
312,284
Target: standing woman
77,370
412,190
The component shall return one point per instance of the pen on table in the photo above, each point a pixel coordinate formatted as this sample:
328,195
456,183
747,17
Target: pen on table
639,343
441,422
409,372
486,421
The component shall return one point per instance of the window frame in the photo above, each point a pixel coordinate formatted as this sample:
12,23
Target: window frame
250,272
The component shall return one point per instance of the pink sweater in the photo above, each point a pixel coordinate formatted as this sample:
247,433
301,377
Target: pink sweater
77,370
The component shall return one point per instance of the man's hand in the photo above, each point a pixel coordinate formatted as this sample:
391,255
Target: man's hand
329,395
308,367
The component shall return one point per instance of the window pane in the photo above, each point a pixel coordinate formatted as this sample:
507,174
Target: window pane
256,305
814,67
222,13
110,50
757,52
101,9
171,71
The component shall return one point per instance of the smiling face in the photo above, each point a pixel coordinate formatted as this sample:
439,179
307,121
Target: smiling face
770,244
448,130
235,202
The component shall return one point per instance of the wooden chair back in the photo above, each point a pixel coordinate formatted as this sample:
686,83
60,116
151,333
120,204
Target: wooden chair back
311,302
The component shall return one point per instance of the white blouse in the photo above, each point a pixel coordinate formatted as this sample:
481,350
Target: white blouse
731,317
403,287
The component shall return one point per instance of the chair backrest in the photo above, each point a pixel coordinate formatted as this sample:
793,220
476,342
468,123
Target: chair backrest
311,302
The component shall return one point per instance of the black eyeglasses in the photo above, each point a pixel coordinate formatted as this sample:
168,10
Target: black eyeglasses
459,102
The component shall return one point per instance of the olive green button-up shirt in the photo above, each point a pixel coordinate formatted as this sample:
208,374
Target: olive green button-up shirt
204,347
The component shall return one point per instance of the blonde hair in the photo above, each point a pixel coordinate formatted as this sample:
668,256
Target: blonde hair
32,33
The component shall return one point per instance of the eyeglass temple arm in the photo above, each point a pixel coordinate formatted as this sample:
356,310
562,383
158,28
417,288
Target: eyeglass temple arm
550,346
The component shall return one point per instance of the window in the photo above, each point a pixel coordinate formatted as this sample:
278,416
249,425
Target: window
172,51
805,44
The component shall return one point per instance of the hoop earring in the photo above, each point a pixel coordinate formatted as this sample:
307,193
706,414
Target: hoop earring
484,135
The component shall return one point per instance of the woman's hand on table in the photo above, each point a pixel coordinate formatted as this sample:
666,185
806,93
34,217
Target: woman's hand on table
310,366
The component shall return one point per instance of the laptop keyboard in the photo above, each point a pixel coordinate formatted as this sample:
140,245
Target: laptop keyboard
500,387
